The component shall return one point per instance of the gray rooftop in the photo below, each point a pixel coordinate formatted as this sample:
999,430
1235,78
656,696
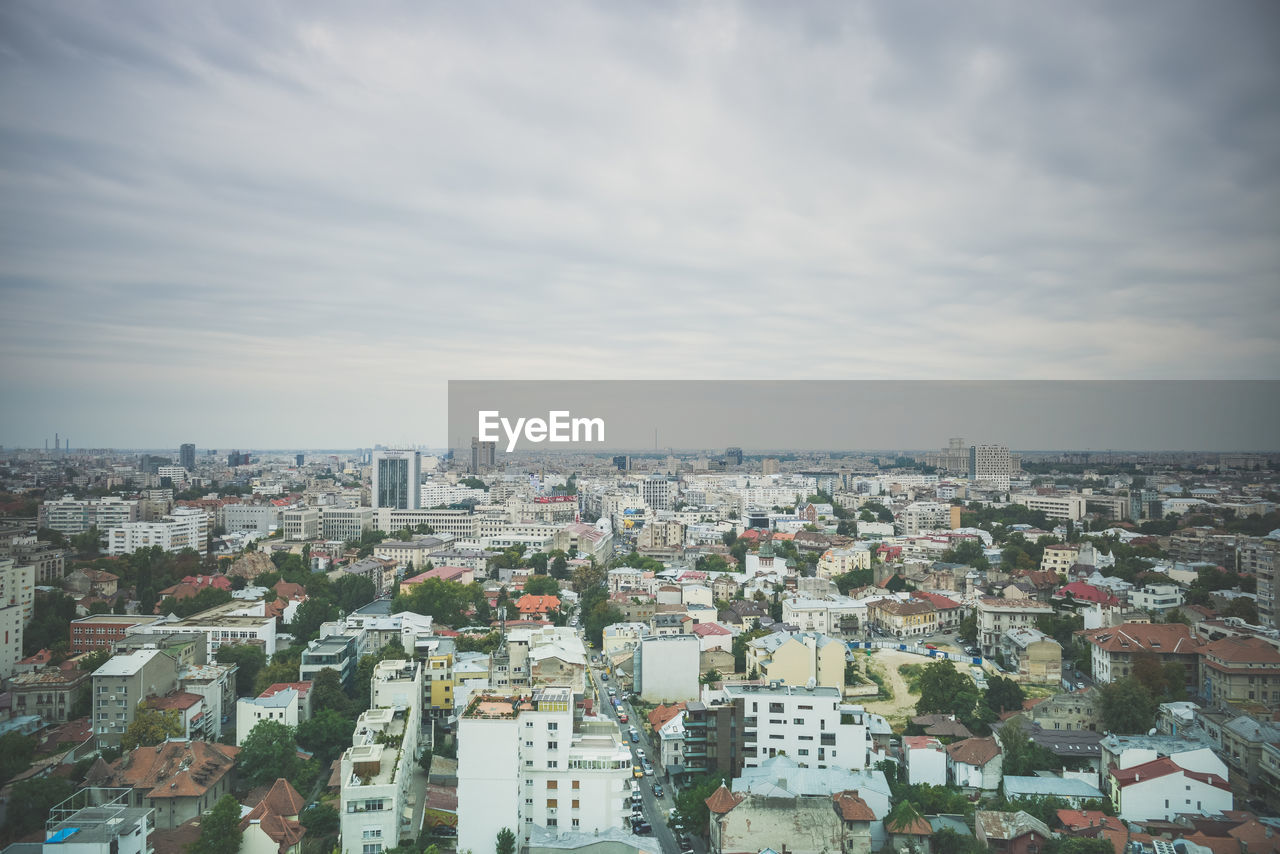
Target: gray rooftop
1063,787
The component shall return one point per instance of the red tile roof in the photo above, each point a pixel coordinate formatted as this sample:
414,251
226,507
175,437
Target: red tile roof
1138,637
301,687
974,751
852,807
1163,767
722,800
1082,592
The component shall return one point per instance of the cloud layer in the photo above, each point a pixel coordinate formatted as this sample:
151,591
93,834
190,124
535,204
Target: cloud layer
279,225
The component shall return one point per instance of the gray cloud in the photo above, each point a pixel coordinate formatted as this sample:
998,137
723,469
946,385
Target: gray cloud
298,213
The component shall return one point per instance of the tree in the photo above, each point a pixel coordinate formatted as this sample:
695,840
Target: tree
945,690
30,801
310,615
151,726
327,693
249,661
902,816
353,592
326,735
93,660
691,801
16,752
1022,756
268,753
1127,707
542,585
283,668
711,677
968,552
506,842
220,830
320,820
1079,845
1004,694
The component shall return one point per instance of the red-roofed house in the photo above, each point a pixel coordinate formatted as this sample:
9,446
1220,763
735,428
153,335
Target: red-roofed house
1086,594
926,760
460,574
949,611
197,724
1114,647
272,827
536,607
1160,789
304,696
713,636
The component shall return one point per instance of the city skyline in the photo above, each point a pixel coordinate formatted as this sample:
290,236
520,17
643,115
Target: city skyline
245,217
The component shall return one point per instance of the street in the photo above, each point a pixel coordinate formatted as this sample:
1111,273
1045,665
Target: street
656,810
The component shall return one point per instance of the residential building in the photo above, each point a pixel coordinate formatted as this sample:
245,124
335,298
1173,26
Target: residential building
49,693
1031,655
377,770
1059,557
805,810
921,516
1115,648
92,582
1068,506
193,716
124,682
1073,710
396,479
811,725
912,618
1071,789
97,820
279,706
178,779
1240,671
670,736
990,465
102,631
69,516
525,763
584,540
926,760
336,652
995,616
381,572
975,763
666,668
712,737
412,554
796,659
949,613
1260,557
1156,599
439,682
839,561
184,528
1011,832
832,615
17,597
272,826
1162,790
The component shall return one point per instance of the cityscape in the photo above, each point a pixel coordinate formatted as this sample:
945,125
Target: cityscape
639,428
395,649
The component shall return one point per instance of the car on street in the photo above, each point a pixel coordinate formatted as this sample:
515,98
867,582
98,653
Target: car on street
640,753
637,771
622,717
657,790
648,769
635,737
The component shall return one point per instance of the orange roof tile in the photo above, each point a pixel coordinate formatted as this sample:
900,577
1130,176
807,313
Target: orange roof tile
722,800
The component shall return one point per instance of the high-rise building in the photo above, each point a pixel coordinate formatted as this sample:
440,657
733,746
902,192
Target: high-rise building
299,459
622,462
990,464
187,456
733,456
525,762
769,465
483,455
396,475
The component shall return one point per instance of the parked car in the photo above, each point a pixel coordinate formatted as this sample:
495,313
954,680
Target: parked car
648,769
657,790
635,737
640,753
622,717
637,771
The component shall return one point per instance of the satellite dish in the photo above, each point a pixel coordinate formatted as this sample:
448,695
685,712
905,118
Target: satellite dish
811,683
1152,732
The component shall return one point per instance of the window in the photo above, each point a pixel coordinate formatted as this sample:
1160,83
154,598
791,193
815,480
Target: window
575,805
575,785
372,848
551,745
373,833
553,725
552,764
553,784
552,803
528,802
528,782
797,721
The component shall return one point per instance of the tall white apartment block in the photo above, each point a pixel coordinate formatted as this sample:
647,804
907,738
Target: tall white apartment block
396,478
811,725
523,764
377,769
71,516
990,464
184,528
921,516
17,603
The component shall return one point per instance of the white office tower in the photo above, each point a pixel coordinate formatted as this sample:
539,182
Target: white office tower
523,764
990,464
377,770
396,479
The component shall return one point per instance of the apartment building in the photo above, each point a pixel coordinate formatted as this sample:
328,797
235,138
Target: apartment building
1059,557
1240,671
832,615
17,607
121,684
1156,599
376,771
300,523
921,516
839,561
525,763
283,706
103,631
462,524
1260,558
263,518
413,554
912,618
810,725
1161,790
1114,649
71,516
1065,506
990,465
231,623
1032,656
184,528
996,616
666,668
49,693
795,659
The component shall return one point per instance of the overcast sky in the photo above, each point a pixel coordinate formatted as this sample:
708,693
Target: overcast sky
288,225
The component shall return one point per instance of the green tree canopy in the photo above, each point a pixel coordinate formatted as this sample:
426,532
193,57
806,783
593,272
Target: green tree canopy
220,830
30,801
320,820
249,661
506,842
327,693
1003,694
691,802
542,585
352,592
326,735
268,753
1022,756
1127,706
151,726
945,690
16,752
